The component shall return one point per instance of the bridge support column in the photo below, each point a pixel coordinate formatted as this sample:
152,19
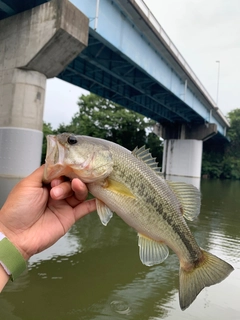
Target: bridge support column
22,94
35,45
182,154
182,160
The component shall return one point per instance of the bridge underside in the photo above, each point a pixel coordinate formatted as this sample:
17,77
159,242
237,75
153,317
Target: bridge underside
104,70
108,73
11,7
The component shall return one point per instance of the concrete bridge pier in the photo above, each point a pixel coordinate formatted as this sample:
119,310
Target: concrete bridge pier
182,160
182,154
35,45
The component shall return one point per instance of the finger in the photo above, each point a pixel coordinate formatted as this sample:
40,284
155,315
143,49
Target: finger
84,208
61,191
57,181
79,189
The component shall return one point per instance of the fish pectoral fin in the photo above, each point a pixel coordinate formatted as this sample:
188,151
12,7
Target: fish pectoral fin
104,213
118,187
151,252
189,198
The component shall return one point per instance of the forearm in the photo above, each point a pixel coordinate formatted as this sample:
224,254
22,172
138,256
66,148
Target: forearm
4,277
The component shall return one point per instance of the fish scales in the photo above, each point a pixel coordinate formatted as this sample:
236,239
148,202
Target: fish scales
152,196
127,183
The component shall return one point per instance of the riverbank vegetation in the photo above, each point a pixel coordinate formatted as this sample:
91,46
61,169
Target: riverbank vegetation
223,160
99,117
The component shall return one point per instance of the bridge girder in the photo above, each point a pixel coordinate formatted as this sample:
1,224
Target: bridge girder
100,66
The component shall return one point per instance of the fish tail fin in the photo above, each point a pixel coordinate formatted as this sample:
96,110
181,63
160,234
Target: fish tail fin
210,270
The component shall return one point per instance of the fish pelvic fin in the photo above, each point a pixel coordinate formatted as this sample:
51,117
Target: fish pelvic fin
151,252
210,270
104,213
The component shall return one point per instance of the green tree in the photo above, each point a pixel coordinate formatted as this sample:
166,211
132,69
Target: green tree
47,129
99,117
212,165
234,133
223,161
155,146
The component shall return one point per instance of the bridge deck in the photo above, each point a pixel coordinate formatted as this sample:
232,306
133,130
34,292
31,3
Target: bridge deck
131,61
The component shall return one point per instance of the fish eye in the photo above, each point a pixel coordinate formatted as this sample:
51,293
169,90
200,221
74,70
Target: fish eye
72,140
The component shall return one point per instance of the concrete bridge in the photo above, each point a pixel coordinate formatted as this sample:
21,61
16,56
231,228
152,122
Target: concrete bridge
116,49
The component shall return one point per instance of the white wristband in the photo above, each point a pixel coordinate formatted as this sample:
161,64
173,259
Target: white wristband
2,236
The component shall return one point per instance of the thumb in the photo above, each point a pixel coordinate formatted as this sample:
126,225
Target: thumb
35,178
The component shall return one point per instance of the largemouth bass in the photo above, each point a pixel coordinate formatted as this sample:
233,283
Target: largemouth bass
130,184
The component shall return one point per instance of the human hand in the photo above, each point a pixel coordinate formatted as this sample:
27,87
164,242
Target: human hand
35,216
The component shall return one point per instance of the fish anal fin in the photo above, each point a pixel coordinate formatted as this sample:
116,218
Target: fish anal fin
104,213
151,252
117,187
210,270
189,198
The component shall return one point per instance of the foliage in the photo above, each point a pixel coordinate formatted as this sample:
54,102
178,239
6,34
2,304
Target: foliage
211,165
155,146
47,129
99,117
234,133
225,163
231,168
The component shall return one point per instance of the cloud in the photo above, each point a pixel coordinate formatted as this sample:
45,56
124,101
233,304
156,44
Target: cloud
205,31
61,101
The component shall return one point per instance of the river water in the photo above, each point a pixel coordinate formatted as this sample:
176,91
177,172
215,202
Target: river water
94,272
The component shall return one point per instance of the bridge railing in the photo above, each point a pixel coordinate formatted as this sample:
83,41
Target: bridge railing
173,49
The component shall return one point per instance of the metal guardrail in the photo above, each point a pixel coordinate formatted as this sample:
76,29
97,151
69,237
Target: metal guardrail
173,49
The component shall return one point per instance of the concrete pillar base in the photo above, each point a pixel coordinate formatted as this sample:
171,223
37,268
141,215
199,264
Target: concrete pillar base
20,151
20,155
21,116
182,160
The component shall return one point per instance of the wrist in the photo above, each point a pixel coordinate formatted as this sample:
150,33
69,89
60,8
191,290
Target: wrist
14,239
11,259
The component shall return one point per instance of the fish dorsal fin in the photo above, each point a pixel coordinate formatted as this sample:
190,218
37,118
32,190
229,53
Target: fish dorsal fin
189,197
151,252
104,213
144,155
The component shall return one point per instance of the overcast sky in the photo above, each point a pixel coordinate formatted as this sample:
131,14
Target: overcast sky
204,31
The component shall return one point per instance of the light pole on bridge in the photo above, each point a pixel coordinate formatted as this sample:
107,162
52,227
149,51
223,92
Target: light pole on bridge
218,80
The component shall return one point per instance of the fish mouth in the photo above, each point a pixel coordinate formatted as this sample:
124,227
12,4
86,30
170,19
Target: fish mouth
54,164
89,163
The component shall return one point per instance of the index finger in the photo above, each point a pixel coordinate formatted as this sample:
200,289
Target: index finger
80,189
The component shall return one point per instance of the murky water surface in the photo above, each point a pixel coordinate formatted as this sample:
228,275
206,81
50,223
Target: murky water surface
94,272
